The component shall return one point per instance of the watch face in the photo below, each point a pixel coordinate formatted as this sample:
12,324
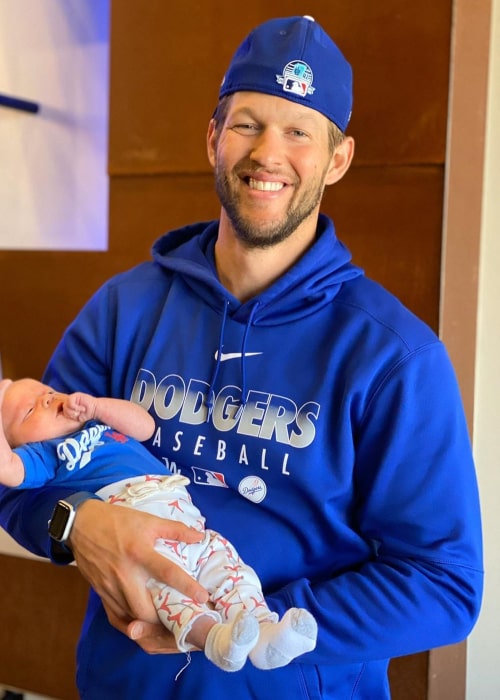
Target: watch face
59,521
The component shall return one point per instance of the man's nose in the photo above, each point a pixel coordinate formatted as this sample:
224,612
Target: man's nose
267,148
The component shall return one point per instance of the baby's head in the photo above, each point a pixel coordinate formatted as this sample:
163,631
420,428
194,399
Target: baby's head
32,411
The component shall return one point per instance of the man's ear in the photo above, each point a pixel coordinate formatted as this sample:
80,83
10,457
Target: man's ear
341,160
211,142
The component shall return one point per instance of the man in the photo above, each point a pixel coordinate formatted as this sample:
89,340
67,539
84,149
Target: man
319,420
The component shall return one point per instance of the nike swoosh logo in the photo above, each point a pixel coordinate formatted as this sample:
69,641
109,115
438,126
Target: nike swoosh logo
234,355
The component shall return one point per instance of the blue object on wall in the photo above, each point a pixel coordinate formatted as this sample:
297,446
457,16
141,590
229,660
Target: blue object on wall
17,103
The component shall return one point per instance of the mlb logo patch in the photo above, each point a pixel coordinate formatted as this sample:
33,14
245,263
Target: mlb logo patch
295,86
207,477
297,78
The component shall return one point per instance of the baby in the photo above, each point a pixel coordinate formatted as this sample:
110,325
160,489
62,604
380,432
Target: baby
94,444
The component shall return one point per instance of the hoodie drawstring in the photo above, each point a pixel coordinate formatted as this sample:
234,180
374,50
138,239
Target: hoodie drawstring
218,355
243,365
211,390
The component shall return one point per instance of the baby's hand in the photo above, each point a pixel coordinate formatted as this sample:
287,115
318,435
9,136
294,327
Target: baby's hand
80,407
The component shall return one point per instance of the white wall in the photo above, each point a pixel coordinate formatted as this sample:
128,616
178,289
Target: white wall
483,674
53,164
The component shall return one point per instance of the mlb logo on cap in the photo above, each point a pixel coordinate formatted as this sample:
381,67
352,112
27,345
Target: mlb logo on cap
297,78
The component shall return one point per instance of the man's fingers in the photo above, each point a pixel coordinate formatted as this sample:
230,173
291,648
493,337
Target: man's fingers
175,530
162,569
152,638
165,570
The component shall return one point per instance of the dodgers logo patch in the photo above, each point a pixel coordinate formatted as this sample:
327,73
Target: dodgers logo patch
297,77
253,488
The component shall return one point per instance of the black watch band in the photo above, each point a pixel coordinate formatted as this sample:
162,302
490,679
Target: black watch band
64,513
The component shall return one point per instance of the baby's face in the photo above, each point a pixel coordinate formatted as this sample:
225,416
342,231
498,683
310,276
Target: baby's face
32,411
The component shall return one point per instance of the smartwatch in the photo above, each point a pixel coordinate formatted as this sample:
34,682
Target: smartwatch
64,514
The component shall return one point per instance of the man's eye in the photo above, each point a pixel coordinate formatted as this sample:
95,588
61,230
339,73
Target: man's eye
244,128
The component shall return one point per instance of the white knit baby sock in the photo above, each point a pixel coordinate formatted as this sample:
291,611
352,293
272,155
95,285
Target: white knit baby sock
280,642
228,644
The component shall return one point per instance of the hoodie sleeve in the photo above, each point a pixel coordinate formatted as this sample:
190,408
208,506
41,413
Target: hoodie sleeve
417,506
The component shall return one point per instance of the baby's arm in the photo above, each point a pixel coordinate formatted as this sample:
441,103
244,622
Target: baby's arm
11,465
126,417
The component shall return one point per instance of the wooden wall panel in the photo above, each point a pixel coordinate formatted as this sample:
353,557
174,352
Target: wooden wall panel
167,60
167,64
41,293
42,609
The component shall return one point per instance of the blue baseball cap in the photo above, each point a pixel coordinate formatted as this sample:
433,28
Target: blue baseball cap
293,58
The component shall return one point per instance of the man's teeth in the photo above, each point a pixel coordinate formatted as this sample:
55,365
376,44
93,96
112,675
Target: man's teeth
265,185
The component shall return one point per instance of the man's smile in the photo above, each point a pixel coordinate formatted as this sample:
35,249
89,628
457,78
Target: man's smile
265,185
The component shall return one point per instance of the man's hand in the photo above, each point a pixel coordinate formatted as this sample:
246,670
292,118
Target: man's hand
114,550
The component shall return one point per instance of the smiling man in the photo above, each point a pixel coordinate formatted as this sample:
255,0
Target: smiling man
320,420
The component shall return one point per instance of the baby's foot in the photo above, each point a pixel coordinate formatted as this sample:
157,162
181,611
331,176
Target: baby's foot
228,644
280,642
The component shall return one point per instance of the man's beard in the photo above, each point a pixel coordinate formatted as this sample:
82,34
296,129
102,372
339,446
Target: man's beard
268,234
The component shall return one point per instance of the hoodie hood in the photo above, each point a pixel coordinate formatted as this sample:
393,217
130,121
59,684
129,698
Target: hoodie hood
304,289
310,284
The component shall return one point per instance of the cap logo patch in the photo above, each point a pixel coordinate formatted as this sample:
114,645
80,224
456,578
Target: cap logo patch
297,78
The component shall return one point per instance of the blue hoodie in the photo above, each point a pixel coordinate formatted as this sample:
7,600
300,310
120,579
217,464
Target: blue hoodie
322,428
